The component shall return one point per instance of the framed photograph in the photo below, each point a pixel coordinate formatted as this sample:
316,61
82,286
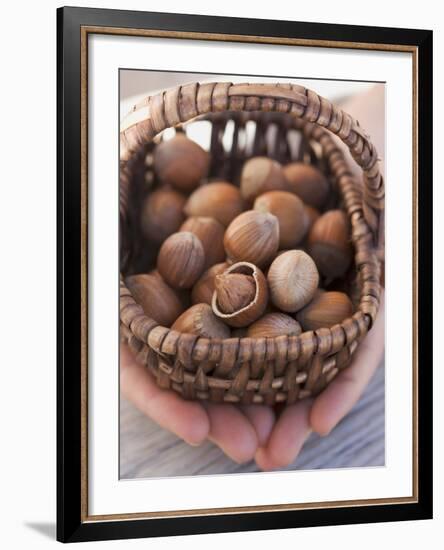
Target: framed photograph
244,274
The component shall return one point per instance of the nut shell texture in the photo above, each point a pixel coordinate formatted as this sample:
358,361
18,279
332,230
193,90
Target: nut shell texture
181,163
211,234
181,260
219,200
325,310
200,320
261,174
290,212
203,289
308,183
329,245
256,304
158,300
252,237
272,325
293,280
162,214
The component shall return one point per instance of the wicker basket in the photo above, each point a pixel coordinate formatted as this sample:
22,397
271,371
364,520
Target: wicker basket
246,370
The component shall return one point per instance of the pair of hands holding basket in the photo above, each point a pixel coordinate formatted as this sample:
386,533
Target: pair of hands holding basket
272,436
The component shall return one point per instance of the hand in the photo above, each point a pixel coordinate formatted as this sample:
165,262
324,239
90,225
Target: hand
238,430
324,412
245,432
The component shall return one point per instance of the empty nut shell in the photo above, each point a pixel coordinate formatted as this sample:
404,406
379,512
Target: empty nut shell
241,294
181,163
219,200
293,280
325,310
200,320
181,259
234,291
328,243
158,300
261,174
211,234
162,214
290,212
252,237
308,183
272,325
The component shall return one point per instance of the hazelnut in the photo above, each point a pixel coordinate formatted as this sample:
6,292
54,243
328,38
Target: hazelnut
252,237
261,174
157,299
291,215
211,234
183,294
312,215
241,294
328,243
181,163
293,280
200,319
181,259
325,310
272,325
162,214
308,183
234,291
203,289
219,200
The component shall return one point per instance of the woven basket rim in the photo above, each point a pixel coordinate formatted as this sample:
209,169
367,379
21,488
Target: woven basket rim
322,340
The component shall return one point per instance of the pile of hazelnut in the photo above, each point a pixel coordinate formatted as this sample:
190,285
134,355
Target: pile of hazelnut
241,261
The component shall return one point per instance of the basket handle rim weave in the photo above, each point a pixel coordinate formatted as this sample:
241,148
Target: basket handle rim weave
174,106
181,104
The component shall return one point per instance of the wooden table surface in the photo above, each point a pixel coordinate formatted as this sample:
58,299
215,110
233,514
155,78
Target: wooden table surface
147,451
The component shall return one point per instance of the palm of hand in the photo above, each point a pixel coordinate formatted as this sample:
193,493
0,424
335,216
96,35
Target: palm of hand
246,432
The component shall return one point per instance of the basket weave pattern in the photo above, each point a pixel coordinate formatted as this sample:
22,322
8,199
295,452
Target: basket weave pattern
259,370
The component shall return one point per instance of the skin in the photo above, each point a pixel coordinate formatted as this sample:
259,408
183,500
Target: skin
246,432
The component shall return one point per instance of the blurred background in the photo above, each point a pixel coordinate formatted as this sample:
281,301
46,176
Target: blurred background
146,449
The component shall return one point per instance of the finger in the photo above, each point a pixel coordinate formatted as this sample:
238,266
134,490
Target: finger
287,438
232,432
188,420
262,418
345,390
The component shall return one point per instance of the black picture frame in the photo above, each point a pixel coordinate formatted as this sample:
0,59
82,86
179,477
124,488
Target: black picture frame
71,525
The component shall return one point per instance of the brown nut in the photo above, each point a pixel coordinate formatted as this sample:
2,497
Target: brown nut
261,174
252,237
308,183
157,299
234,291
272,325
181,259
328,243
203,289
325,310
290,212
183,294
161,214
211,234
293,280
200,319
241,294
219,200
312,215
181,163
